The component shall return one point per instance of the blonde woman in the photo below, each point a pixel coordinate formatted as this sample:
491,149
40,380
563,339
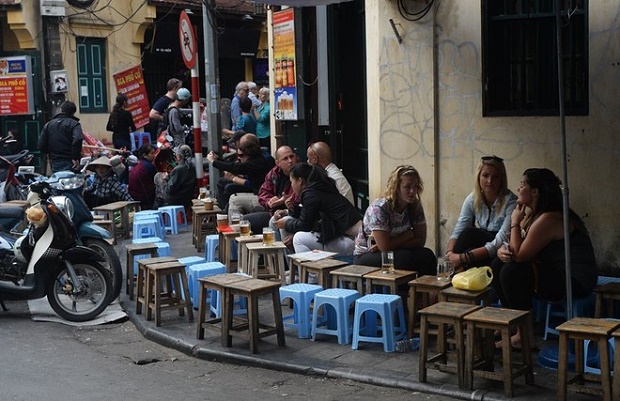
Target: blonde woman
484,223
397,223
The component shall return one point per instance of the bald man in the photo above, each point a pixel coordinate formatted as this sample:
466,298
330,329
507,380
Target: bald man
320,153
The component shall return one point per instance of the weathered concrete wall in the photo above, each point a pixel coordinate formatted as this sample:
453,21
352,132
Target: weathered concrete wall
425,109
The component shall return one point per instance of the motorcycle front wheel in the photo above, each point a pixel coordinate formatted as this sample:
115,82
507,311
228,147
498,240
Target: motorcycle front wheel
82,301
112,262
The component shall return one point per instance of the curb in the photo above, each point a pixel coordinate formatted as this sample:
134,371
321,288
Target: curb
373,378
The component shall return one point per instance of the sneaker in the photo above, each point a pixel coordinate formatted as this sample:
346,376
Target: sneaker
312,278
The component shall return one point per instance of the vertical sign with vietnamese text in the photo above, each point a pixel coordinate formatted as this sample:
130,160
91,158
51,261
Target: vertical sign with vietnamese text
284,61
131,83
16,95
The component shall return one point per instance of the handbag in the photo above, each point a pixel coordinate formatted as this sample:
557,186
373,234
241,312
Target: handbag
474,279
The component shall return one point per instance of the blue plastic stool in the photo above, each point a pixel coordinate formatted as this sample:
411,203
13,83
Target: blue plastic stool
190,261
147,227
340,301
199,270
211,244
302,296
175,218
386,306
138,139
582,307
151,214
215,304
163,249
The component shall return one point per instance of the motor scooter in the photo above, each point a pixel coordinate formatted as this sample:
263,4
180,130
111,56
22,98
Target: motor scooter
70,184
48,262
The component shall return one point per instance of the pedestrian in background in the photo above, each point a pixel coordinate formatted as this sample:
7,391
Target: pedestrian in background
120,123
263,128
156,115
61,139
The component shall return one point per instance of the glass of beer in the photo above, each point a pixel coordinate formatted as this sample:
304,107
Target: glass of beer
222,220
235,218
387,262
268,236
444,269
244,227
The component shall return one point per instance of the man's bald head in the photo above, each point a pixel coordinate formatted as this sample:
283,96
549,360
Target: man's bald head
319,153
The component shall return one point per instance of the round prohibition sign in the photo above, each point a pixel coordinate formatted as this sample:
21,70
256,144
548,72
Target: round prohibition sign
187,40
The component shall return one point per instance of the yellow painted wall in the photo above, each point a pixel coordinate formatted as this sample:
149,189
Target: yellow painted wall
124,39
439,128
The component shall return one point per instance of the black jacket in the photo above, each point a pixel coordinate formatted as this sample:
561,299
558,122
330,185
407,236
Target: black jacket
181,186
254,169
61,138
325,210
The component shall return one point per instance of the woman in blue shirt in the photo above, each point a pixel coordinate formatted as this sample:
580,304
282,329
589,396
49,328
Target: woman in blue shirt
484,223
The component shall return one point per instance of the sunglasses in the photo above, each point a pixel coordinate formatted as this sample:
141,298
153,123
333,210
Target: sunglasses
487,158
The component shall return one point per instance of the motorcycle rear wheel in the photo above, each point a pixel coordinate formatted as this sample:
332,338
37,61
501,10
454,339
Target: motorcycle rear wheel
90,301
112,263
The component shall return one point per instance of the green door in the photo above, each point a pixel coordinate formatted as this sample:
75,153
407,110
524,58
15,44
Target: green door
28,127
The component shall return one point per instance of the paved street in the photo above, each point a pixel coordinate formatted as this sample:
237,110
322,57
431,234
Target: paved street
52,361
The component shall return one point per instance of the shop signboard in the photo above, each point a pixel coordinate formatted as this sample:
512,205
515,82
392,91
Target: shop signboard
131,83
16,94
285,65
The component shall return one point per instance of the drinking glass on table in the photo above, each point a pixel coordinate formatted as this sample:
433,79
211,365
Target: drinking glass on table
268,236
445,269
387,262
244,227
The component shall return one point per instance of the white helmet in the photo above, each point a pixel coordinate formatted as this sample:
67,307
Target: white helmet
17,249
183,94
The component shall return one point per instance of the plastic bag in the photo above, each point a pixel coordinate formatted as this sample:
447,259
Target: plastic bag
474,279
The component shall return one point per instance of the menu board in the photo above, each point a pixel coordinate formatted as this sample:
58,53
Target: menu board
16,95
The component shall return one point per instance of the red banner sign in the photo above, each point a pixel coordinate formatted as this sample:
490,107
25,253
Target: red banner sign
15,86
131,83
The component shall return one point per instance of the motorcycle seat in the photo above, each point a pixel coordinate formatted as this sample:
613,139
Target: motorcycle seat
18,156
10,211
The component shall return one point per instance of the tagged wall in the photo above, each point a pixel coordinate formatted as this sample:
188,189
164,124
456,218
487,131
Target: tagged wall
428,94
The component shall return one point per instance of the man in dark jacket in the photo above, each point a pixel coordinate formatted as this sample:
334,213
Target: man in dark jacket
245,175
61,139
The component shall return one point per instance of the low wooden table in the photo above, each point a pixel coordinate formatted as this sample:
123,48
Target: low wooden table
132,251
321,268
451,294
352,275
425,286
608,294
242,251
253,289
390,280
273,257
141,292
218,282
203,224
122,207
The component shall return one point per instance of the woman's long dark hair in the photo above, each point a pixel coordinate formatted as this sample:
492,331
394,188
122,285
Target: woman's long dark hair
312,173
116,109
145,149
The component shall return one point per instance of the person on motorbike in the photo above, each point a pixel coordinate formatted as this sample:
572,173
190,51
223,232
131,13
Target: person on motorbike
141,177
106,188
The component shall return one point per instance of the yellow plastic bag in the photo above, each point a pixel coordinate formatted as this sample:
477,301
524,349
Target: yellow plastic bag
474,279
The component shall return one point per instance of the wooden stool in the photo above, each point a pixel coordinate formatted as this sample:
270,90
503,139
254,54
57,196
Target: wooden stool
609,292
243,255
273,256
321,268
252,289
225,248
451,294
351,276
217,282
171,273
203,224
579,329
426,286
141,280
390,280
442,314
133,250
501,319
616,380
